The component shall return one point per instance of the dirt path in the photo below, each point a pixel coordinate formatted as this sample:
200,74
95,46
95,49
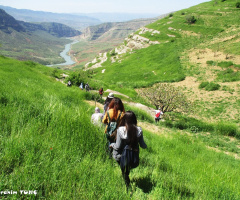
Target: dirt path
159,130
115,92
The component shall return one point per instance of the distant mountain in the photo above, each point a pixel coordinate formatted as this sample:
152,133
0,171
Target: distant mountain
116,30
55,29
31,41
75,21
120,17
7,22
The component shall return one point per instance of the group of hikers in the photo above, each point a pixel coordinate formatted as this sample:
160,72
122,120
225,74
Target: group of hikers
123,135
87,87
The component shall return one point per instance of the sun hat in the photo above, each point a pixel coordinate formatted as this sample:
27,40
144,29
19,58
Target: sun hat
111,95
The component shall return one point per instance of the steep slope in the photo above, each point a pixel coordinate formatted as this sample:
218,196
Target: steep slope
188,48
37,42
7,23
104,37
171,38
50,149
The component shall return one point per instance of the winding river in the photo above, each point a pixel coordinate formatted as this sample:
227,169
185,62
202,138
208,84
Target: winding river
64,54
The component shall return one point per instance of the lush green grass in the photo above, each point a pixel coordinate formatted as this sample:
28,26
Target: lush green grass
48,144
162,63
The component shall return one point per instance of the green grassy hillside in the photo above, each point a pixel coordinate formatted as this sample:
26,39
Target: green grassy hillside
197,51
216,28
48,145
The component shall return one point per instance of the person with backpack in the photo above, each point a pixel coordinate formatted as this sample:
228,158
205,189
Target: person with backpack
100,92
112,119
158,114
87,87
126,147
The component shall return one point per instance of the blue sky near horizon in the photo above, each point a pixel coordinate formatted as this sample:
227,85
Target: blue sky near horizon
104,6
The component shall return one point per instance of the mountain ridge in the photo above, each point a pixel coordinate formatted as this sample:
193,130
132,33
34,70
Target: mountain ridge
40,42
74,21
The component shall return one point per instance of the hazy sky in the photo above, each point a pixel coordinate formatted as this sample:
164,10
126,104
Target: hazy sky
93,6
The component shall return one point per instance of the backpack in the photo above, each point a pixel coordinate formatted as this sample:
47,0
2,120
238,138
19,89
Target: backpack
129,158
157,115
112,126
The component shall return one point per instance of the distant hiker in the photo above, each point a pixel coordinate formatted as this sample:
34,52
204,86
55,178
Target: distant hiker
87,88
69,84
107,102
114,114
126,147
158,115
81,86
100,92
97,117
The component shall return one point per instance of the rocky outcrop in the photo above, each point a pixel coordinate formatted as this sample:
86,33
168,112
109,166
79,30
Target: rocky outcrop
132,42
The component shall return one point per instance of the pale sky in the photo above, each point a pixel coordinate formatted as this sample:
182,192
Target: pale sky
107,6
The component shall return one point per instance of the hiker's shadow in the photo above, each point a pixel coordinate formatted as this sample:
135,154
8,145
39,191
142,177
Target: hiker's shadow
145,184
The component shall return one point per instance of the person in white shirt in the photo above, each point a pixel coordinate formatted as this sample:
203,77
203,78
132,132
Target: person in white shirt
97,117
158,115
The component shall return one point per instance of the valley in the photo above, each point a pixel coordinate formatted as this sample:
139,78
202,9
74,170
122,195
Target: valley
186,62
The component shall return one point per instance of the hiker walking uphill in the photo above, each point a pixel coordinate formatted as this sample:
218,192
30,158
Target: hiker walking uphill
126,147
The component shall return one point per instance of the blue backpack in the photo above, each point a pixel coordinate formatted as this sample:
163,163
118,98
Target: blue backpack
129,158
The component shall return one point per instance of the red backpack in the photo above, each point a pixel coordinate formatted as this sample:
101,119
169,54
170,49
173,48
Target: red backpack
157,115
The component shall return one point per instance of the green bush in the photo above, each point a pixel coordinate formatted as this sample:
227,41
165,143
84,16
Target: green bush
238,5
227,129
228,75
212,86
190,19
209,86
225,64
210,62
203,84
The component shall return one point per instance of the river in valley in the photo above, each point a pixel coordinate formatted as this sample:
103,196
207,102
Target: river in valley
64,54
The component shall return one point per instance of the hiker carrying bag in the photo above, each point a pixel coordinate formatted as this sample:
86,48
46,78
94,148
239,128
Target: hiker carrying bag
112,125
129,158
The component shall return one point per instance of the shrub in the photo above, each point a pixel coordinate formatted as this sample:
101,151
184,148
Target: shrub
226,129
203,85
190,19
210,62
225,64
212,86
209,86
170,15
238,5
